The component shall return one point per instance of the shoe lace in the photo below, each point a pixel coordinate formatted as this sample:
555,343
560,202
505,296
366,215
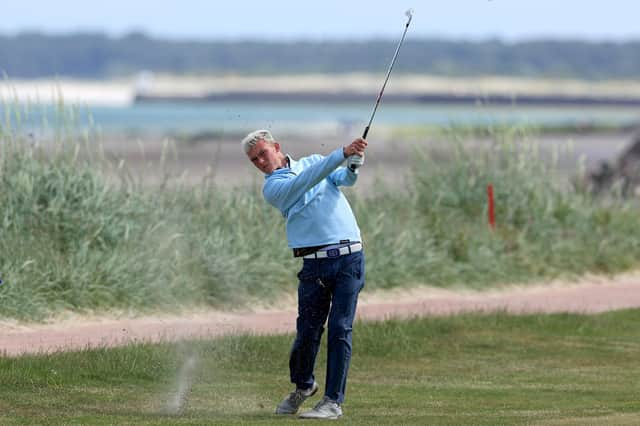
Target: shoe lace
297,396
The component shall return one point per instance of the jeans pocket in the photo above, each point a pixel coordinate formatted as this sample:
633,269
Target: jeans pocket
358,265
354,268
308,272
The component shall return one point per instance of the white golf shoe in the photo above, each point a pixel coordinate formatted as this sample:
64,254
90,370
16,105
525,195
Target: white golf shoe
291,403
325,409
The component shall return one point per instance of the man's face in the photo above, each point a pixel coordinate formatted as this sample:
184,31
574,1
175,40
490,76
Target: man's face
265,156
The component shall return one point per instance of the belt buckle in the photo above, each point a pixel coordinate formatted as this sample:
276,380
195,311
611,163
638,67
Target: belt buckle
331,253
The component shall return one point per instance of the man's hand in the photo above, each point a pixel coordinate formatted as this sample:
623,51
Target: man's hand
356,147
355,153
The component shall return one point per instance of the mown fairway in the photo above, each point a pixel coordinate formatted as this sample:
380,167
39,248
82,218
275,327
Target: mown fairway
471,369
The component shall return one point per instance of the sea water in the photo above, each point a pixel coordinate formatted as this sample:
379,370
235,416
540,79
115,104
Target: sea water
239,116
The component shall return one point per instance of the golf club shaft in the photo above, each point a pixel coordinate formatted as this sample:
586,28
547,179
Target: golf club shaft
353,167
393,61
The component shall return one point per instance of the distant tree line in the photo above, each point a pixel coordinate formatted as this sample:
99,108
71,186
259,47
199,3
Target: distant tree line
95,55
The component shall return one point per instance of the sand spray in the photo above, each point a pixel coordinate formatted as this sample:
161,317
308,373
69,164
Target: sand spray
178,397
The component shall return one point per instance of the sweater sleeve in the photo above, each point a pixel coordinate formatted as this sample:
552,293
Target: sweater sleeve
343,176
282,190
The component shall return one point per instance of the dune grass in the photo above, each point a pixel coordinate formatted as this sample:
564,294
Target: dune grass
71,239
470,369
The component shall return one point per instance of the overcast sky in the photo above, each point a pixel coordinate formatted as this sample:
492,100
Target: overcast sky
510,20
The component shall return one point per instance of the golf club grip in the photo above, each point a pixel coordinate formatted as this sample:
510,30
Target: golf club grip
364,136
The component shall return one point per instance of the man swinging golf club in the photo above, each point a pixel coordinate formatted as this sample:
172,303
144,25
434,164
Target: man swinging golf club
322,230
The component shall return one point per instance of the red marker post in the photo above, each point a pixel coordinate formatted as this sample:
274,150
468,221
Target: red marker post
491,207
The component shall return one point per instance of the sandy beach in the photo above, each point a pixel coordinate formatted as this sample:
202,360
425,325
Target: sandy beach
122,91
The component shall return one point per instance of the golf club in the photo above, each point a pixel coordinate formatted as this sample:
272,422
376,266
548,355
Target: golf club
409,14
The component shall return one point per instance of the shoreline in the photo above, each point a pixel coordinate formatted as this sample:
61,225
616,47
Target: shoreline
499,90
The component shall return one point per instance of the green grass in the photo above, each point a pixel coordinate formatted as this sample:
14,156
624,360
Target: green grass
470,369
72,240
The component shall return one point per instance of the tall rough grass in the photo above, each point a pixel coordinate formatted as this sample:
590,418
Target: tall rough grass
70,239
437,232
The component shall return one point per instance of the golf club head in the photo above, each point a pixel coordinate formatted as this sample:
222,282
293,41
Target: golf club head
409,14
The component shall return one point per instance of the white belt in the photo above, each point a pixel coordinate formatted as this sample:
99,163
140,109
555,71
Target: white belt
335,252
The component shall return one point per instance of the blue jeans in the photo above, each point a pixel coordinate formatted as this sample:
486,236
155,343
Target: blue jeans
327,288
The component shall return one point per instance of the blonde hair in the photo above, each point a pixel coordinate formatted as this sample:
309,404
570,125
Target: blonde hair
254,137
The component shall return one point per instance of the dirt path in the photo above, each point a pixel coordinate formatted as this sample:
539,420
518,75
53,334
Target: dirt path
590,295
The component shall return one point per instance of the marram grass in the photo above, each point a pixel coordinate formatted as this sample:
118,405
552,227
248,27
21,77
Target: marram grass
72,239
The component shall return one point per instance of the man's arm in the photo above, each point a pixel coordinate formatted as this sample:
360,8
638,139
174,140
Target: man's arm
343,177
282,191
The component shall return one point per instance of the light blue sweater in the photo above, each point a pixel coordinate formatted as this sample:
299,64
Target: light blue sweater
307,195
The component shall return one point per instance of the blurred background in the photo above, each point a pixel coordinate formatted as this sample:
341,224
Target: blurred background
200,75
